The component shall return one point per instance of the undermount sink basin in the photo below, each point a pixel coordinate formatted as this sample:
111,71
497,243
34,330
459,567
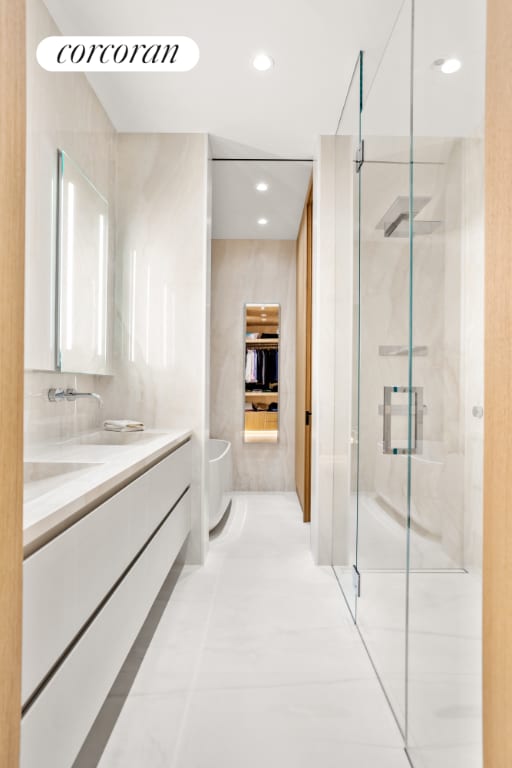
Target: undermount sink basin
112,438
42,476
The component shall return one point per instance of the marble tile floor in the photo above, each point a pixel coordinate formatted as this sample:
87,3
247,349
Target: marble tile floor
250,660
445,651
444,640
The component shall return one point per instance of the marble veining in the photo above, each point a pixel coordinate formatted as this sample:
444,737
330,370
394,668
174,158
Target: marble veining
447,319
63,112
252,271
49,422
162,300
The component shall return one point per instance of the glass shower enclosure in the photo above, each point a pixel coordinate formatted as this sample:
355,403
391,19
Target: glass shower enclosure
412,571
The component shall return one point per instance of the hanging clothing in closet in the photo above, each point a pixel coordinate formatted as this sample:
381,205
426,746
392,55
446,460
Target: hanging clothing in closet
261,367
251,365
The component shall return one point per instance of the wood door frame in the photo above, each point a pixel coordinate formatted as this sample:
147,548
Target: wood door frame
12,268
303,372
309,343
497,568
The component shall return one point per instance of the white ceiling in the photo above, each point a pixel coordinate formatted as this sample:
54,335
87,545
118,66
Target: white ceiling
280,113
314,44
237,205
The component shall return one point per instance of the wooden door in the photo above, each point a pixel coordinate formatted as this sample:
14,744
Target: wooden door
497,576
303,414
12,260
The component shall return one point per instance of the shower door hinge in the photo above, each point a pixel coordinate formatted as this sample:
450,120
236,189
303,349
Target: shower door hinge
356,581
360,156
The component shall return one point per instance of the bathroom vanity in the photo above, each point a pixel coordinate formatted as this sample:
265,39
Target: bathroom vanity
106,515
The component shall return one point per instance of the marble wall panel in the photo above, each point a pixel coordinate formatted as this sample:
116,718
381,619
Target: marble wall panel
160,186
473,262
62,112
55,422
162,302
333,243
447,316
252,271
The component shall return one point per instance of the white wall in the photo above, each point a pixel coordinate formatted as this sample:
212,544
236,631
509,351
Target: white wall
259,272
162,302
163,196
473,262
62,113
332,348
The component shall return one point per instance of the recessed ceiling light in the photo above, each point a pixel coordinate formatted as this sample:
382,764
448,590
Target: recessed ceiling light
263,314
448,66
262,186
262,222
262,62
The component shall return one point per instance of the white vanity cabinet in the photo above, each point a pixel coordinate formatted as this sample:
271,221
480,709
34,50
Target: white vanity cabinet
86,595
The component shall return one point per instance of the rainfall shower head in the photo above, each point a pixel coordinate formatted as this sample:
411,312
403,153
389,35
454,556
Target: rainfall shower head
395,221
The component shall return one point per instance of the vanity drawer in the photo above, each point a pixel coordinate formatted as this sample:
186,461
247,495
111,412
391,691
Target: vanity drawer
55,726
65,581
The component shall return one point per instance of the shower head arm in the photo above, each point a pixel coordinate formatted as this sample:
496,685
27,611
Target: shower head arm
396,223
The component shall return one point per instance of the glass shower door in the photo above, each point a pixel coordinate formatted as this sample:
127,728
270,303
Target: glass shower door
345,521
389,411
444,666
445,577
382,550
413,535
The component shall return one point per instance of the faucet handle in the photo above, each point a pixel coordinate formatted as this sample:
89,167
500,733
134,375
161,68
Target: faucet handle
56,394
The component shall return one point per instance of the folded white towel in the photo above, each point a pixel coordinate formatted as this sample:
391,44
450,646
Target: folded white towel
123,425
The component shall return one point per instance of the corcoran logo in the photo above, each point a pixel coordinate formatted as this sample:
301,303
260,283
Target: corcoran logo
117,54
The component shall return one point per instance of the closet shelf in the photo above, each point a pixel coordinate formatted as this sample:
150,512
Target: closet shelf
262,342
255,397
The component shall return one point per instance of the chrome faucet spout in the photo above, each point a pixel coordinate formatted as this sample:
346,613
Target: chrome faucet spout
88,394
57,395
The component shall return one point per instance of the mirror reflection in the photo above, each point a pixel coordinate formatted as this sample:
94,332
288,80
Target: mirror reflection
82,269
261,412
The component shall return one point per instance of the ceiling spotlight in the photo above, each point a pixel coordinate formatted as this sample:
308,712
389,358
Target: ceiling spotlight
448,66
262,222
262,186
262,62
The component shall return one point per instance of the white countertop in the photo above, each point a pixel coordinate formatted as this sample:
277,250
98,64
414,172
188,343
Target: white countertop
85,475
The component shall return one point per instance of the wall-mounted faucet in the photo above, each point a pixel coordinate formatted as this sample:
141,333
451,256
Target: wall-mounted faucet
70,394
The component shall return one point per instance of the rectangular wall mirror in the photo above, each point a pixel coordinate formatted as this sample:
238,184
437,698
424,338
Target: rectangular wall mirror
261,409
82,273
